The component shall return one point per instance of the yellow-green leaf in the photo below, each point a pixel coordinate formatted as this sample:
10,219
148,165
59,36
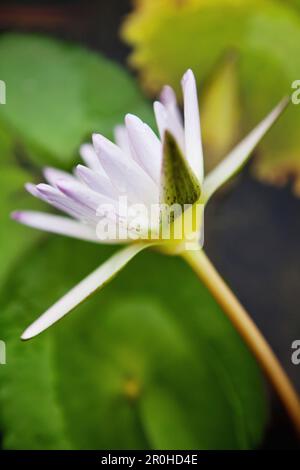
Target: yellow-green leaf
220,130
265,36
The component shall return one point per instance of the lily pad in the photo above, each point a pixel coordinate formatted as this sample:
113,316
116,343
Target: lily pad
58,94
140,365
14,241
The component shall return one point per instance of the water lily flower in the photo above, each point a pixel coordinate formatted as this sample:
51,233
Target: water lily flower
147,170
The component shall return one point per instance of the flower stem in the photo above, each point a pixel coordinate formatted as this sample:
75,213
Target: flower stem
248,331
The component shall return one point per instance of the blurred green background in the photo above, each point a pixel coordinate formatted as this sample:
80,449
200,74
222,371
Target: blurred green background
144,365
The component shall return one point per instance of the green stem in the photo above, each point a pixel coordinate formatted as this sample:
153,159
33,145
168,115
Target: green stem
248,331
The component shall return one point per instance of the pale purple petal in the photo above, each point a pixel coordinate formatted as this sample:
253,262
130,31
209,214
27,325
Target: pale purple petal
32,189
82,195
52,175
53,197
193,144
83,290
58,200
96,181
56,224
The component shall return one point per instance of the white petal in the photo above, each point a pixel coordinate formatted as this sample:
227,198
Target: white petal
161,118
125,174
168,98
166,120
239,155
84,289
96,181
122,139
146,145
90,158
56,224
52,175
193,144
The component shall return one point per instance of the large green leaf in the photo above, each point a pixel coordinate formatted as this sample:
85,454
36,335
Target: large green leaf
264,34
150,362
58,94
13,242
